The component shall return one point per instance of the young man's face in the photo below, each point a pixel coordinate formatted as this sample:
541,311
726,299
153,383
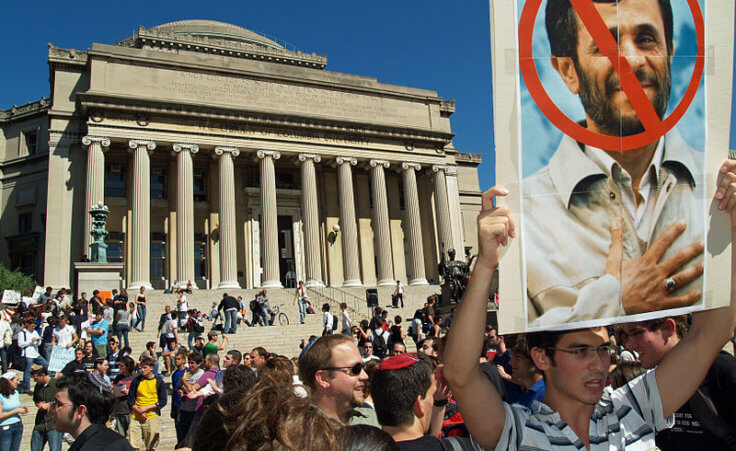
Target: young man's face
98,317
640,32
114,345
102,367
346,387
179,361
227,361
88,349
652,345
256,359
398,348
79,354
64,412
147,371
367,349
427,349
194,366
522,366
247,361
577,378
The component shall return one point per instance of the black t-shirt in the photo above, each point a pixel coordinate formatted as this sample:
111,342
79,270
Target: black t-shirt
688,432
97,436
89,363
74,367
396,334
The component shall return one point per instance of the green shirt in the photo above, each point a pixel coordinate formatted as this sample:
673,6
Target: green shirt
209,348
45,393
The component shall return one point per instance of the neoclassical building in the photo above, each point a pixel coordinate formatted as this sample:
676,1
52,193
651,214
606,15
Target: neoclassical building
229,160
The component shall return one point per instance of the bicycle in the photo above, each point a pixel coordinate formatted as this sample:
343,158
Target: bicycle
276,313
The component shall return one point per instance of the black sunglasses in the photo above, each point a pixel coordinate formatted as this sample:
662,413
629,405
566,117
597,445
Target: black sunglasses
355,370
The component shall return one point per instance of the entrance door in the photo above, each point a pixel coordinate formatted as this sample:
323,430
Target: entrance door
287,264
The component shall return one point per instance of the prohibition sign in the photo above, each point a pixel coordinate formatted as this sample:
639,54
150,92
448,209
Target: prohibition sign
654,128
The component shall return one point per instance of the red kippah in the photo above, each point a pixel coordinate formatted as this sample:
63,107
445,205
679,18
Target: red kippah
398,361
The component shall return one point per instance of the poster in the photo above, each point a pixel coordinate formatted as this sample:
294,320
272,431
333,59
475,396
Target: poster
612,158
11,297
60,356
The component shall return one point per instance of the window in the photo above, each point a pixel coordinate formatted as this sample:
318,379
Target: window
287,180
158,183
115,249
158,256
31,140
200,185
115,180
25,222
200,256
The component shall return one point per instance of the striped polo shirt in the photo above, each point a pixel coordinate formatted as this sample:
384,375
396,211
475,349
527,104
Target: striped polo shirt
625,418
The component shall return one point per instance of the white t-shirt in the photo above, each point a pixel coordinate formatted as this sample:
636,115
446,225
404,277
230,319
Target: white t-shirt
345,320
64,336
184,305
327,320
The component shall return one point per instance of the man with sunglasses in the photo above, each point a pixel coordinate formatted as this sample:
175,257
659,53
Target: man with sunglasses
333,369
578,409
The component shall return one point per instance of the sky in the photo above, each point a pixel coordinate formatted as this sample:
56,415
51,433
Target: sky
427,44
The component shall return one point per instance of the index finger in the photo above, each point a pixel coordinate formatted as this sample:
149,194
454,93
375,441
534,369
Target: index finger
663,241
488,195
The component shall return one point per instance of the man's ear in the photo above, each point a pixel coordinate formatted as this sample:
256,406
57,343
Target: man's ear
669,329
321,379
419,408
565,66
540,358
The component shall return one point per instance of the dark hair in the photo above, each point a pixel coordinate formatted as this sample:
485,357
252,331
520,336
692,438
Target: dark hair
395,391
319,356
40,370
148,361
326,307
238,378
546,341
128,362
150,343
5,388
562,26
82,392
196,358
397,320
363,437
681,323
261,351
625,372
236,355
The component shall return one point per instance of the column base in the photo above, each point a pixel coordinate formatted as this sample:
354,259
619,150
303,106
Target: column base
311,283
139,284
272,284
386,282
421,281
352,283
228,284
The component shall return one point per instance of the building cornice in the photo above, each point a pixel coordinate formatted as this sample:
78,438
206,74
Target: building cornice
96,102
25,110
475,158
70,57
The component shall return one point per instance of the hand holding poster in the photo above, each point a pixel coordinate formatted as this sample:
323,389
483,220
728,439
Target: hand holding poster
609,155
60,356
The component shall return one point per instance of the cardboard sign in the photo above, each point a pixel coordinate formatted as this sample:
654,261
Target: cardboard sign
11,297
37,292
105,295
60,356
598,131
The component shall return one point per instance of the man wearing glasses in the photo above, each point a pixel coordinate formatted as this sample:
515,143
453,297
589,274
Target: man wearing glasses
578,409
333,369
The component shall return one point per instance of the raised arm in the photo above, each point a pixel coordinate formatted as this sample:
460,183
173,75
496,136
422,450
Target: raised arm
684,368
478,400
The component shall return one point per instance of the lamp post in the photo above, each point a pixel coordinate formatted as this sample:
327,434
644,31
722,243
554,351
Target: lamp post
99,214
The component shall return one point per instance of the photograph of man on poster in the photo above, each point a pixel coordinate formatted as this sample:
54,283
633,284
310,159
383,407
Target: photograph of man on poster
611,232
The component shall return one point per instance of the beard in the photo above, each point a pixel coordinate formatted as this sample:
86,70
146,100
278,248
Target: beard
601,109
357,399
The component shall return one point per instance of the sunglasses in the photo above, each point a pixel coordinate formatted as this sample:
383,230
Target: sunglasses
355,370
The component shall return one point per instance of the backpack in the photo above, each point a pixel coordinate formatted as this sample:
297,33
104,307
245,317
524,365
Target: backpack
380,347
197,326
334,322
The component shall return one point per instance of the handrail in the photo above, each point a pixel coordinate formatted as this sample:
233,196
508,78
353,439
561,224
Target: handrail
337,296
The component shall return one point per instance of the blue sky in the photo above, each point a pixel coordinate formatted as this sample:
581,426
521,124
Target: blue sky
426,44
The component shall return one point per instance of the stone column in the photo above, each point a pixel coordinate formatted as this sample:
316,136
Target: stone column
310,215
414,224
269,220
381,228
228,235
347,222
140,233
95,189
185,212
443,210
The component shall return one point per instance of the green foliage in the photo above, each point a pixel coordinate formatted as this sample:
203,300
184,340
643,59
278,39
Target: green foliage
15,280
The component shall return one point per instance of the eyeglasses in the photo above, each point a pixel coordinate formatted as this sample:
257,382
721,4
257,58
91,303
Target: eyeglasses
54,404
605,352
355,370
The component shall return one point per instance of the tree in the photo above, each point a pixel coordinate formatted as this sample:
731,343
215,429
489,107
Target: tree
15,280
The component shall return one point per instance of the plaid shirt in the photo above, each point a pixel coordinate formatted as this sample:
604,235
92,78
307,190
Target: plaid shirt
626,418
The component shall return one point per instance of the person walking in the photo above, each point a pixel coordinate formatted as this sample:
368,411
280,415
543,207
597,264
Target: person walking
140,302
302,299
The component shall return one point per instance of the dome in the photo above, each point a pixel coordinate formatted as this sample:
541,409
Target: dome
214,29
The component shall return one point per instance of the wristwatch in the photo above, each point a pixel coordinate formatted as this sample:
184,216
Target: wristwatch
440,403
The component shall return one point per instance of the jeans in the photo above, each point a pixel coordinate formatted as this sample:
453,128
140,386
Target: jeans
27,373
141,318
39,439
121,330
5,355
10,438
302,310
192,336
231,321
264,314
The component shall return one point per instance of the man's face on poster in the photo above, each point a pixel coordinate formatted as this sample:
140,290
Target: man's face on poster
638,27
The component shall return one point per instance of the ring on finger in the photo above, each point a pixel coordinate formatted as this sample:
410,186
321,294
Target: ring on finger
670,285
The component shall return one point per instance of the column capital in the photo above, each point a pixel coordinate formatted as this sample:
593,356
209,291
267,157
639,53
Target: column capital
439,167
350,160
222,150
310,156
136,143
416,166
275,154
88,140
179,147
376,163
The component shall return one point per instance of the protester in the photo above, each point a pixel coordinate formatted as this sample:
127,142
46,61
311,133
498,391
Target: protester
75,366
98,331
80,409
28,342
11,426
44,430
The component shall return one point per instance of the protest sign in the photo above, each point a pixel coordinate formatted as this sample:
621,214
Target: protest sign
60,356
608,110
37,292
11,297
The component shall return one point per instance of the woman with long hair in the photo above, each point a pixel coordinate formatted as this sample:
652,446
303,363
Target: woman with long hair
11,426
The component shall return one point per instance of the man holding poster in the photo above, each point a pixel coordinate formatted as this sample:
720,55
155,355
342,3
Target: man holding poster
617,57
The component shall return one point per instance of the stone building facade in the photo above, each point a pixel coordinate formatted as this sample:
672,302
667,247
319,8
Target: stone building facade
229,160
